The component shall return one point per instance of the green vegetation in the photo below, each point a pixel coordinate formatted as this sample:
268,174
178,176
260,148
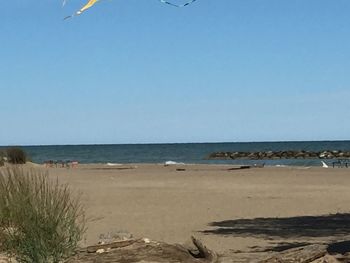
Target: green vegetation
2,158
40,220
16,155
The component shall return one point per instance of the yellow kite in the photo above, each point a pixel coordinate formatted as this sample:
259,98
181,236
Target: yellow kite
89,4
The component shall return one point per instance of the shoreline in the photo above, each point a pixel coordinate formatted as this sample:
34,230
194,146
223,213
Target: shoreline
249,164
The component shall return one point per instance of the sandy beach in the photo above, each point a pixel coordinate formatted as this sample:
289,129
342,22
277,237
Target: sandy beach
234,212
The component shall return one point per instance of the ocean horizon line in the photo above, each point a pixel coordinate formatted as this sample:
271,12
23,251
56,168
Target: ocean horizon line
171,143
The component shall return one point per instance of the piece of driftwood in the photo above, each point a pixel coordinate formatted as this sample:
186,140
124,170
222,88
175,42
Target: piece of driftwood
203,251
144,250
112,245
239,168
305,254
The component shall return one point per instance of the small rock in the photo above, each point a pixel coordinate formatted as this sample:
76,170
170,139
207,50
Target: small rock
147,240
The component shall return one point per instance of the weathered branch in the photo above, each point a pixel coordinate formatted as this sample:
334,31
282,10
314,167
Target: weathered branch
116,244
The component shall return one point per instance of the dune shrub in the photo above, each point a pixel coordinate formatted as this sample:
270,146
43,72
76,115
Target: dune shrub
40,220
2,158
16,155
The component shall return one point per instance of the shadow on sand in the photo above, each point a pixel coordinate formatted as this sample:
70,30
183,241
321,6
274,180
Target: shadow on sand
289,227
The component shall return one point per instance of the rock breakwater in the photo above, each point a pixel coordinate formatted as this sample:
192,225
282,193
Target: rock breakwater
270,155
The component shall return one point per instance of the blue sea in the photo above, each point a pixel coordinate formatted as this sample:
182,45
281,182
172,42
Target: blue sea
189,153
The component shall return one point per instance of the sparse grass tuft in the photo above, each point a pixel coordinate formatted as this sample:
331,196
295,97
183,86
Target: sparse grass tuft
40,220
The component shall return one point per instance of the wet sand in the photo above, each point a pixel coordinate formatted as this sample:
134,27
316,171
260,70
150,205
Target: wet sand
295,205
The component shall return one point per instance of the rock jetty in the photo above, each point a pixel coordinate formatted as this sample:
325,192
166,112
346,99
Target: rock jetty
271,155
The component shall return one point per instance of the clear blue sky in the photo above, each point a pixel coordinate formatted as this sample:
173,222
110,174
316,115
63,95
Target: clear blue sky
138,71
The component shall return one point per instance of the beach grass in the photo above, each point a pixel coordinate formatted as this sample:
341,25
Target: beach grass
41,221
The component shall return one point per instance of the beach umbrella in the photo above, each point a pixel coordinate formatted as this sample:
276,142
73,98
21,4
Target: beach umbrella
91,3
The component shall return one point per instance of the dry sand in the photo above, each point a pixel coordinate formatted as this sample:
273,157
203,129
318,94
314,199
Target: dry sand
164,204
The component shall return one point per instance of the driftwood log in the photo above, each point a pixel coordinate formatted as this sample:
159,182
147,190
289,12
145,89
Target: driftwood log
312,254
112,245
305,254
144,250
